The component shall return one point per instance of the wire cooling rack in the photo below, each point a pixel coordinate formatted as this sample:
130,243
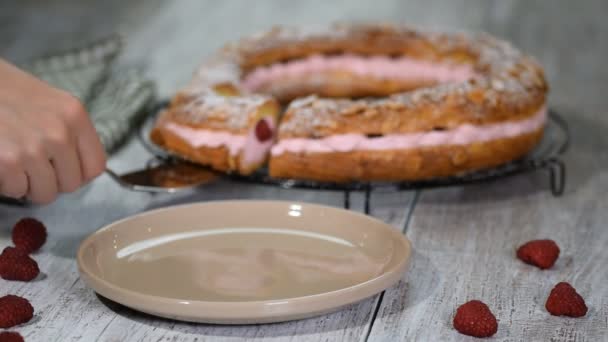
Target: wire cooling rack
547,157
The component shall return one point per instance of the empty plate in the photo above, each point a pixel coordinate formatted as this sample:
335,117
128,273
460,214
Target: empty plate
237,262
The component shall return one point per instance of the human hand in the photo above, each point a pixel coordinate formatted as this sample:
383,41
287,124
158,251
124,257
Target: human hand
48,144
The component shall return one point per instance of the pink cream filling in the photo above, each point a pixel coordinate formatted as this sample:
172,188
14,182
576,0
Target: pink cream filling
254,151
461,135
381,67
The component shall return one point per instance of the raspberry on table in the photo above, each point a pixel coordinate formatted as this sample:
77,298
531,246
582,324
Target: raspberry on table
15,264
474,318
10,336
29,234
14,310
540,253
565,301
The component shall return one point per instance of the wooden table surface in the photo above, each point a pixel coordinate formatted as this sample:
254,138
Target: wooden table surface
464,238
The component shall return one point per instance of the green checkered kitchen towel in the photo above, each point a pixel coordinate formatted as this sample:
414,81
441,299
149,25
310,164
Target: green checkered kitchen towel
115,98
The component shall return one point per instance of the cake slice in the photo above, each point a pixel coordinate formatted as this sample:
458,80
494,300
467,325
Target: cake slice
219,128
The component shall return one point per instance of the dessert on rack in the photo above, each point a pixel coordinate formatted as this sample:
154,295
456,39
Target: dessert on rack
362,103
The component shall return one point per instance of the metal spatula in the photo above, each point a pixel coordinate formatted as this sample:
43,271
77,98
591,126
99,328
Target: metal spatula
168,177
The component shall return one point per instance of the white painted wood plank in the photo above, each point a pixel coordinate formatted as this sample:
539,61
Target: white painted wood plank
465,243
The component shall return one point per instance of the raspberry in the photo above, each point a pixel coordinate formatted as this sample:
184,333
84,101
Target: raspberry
15,264
540,253
29,234
474,318
14,310
10,336
263,131
565,301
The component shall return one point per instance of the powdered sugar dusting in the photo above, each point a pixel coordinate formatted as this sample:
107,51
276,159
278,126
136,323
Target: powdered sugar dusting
219,112
213,73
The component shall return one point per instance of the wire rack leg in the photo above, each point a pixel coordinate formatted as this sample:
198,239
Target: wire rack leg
368,194
557,176
346,199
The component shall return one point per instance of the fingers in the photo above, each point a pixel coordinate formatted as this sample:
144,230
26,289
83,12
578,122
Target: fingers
41,176
71,152
66,163
91,154
13,180
17,187
42,164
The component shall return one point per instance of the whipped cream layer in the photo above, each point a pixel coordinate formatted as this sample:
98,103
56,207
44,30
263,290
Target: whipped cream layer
461,135
380,67
253,150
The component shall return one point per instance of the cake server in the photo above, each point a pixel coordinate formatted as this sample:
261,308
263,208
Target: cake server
168,177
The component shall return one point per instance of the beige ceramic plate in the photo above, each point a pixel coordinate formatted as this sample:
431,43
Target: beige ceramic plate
243,261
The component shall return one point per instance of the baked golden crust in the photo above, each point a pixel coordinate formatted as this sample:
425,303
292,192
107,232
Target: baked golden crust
402,165
313,117
282,44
